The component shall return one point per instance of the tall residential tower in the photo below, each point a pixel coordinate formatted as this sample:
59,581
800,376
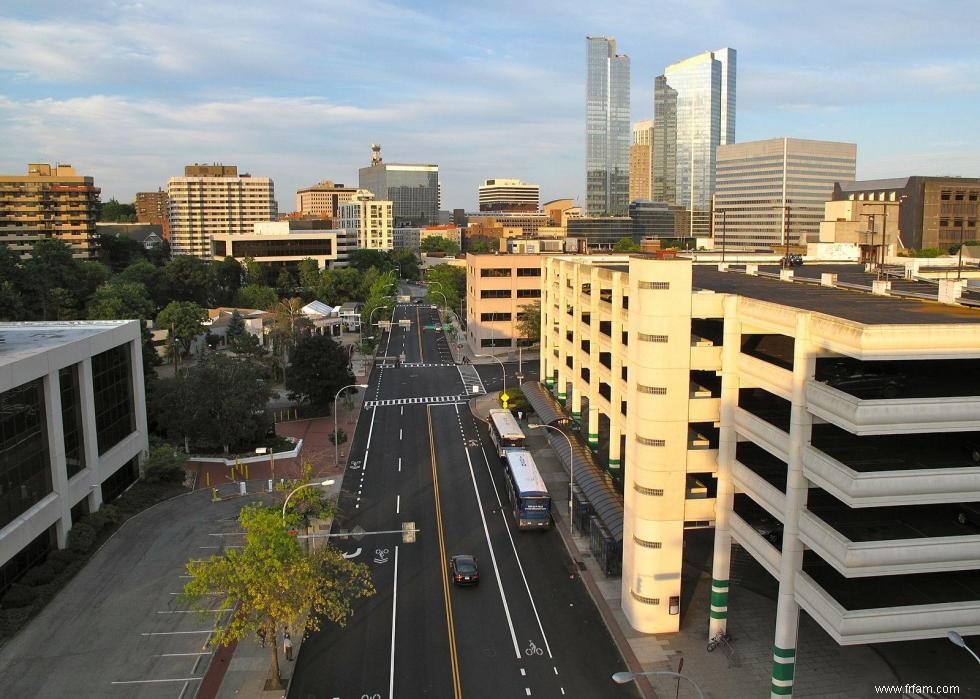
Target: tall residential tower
694,113
607,128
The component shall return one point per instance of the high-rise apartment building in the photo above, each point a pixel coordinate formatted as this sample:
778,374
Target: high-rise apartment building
323,199
694,113
509,195
212,199
370,219
607,128
48,202
641,161
772,192
151,207
413,190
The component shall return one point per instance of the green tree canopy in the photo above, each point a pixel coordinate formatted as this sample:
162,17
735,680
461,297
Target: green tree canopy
120,300
187,278
529,324
339,286
309,274
318,369
626,245
118,251
271,584
438,243
256,296
231,397
480,244
12,286
228,275
364,259
184,319
113,212
406,264
451,281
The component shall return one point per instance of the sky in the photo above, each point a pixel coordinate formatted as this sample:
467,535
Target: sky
298,90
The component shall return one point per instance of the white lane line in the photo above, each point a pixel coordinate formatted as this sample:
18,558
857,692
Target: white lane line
399,433
403,410
374,411
527,690
394,609
523,673
399,464
555,669
172,633
398,504
517,556
175,679
493,555
178,655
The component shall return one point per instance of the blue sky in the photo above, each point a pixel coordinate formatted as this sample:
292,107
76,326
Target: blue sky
297,90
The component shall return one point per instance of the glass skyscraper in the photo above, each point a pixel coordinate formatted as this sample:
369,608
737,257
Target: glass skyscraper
412,189
607,129
694,113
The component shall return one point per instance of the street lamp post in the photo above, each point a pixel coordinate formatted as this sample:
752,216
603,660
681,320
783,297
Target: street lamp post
445,301
329,481
336,422
624,677
571,466
371,315
503,371
958,640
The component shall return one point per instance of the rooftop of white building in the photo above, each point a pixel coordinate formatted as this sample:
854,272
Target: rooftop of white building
19,341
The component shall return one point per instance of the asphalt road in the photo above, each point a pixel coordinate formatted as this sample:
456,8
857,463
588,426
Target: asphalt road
528,629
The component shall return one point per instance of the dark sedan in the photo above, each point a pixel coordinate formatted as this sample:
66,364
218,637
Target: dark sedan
464,570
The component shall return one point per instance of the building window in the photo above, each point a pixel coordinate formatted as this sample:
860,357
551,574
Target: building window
112,384
529,293
126,475
491,317
652,390
26,558
71,420
496,342
959,196
495,294
663,286
945,194
943,222
973,196
528,271
495,272
646,441
651,338
25,465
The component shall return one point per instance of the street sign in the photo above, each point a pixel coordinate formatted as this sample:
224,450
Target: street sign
504,397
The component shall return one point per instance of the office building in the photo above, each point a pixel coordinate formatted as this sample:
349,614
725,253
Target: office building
607,128
72,430
641,161
406,238
694,113
48,202
600,232
826,431
151,208
655,219
498,287
323,199
770,193
282,244
934,212
369,219
508,196
214,199
413,190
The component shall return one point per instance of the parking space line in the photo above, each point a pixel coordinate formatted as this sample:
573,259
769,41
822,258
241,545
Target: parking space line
172,633
177,655
172,679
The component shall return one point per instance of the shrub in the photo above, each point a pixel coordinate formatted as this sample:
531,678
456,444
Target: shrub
81,538
163,466
59,560
96,520
39,575
18,596
111,514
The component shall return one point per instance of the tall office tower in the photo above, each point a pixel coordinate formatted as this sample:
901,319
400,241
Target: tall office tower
323,199
773,192
509,195
694,113
211,199
48,202
371,219
607,128
151,207
641,159
413,189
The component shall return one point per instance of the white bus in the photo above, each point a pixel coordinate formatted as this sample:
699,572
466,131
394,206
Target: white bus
527,491
505,433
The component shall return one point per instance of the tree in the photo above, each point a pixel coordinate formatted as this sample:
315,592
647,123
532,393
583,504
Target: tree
309,273
118,251
406,264
145,273
256,296
228,275
12,286
271,584
288,323
174,411
253,272
285,282
438,243
626,245
236,328
451,282
187,278
52,287
317,370
114,212
364,259
529,322
120,300
480,244
231,398
184,320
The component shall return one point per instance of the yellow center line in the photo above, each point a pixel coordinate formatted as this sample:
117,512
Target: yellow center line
454,661
418,324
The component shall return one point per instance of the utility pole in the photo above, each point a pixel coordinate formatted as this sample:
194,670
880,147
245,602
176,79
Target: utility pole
959,264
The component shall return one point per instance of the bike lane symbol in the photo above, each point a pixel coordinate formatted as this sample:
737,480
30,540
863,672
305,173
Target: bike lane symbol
533,649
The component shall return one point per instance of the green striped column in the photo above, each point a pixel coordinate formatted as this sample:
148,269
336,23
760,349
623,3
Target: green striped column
549,381
562,396
615,465
783,667
719,599
594,440
577,417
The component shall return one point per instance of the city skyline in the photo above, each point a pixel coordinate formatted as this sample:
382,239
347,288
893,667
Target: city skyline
129,94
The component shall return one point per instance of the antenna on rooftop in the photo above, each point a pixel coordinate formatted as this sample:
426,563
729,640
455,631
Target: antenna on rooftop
375,153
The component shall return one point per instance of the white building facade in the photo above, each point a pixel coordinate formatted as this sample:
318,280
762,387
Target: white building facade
370,220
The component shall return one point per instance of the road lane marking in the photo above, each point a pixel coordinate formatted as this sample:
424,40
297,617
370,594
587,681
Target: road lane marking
398,506
394,609
374,412
175,679
172,633
443,575
400,461
399,433
178,655
418,325
493,555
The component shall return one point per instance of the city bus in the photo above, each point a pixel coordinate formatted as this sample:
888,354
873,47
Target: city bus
527,491
505,433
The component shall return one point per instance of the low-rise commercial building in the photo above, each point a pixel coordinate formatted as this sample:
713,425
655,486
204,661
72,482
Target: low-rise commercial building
508,195
498,287
72,430
323,199
49,202
827,432
284,244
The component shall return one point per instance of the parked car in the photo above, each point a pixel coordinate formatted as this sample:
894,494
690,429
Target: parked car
791,261
868,384
464,569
